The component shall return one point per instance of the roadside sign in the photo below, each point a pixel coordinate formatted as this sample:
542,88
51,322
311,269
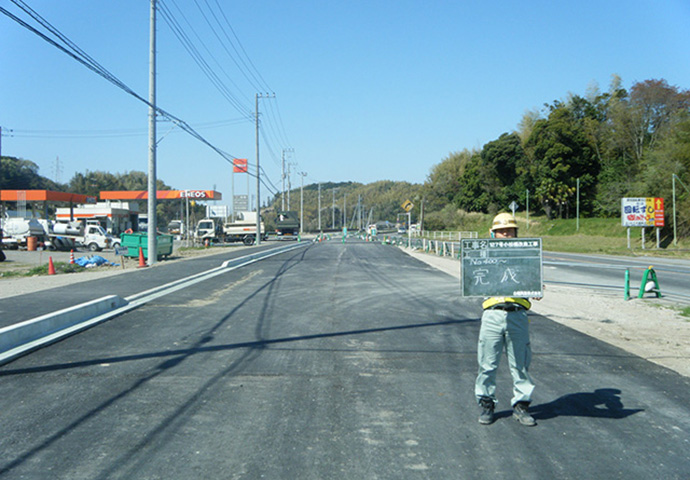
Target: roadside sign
513,206
121,250
241,203
407,205
508,267
642,212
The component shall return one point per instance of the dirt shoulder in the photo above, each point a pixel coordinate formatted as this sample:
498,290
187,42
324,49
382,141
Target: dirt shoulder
642,327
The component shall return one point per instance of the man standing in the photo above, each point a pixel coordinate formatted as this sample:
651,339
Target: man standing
504,325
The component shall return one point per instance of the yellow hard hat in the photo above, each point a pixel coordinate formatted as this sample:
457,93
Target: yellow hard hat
503,220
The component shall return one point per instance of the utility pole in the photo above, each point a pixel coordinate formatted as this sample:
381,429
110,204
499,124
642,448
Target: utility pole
152,240
301,203
289,186
258,169
333,215
285,150
282,204
320,207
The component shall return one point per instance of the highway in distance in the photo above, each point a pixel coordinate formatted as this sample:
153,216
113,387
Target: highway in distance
332,361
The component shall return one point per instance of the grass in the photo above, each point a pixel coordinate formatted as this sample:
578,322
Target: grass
685,312
588,235
60,267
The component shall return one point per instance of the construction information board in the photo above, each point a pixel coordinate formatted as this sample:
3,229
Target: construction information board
642,212
502,267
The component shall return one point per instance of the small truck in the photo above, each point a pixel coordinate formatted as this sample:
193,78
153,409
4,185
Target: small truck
55,235
287,223
243,229
91,236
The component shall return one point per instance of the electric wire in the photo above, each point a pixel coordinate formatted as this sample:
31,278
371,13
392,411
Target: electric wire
71,49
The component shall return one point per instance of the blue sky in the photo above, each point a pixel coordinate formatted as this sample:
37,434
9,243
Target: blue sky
365,90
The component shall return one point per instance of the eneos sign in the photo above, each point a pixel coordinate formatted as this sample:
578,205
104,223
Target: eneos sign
642,212
193,194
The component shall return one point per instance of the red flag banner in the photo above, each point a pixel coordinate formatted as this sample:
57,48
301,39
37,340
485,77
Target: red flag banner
240,165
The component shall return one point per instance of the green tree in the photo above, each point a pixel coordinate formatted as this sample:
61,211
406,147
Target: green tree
19,174
560,154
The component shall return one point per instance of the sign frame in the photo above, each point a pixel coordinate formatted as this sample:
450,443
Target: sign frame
504,267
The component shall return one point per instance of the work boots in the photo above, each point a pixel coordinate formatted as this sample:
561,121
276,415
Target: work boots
521,414
487,415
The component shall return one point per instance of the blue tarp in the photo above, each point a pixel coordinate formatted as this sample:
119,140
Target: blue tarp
93,261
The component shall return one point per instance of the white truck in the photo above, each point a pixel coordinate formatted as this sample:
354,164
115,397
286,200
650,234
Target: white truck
55,235
91,236
208,229
243,229
16,231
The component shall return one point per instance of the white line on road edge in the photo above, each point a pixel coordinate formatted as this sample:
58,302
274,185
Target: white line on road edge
25,337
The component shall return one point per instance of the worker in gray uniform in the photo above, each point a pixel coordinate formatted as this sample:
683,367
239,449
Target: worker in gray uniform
504,326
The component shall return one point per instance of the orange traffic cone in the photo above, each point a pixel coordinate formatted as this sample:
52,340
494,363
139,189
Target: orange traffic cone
51,267
142,262
71,256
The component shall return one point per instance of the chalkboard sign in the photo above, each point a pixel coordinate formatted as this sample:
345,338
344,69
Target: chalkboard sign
503,267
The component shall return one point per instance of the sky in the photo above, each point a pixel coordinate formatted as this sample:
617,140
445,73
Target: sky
349,90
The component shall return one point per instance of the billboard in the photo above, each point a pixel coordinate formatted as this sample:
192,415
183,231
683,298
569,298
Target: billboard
642,212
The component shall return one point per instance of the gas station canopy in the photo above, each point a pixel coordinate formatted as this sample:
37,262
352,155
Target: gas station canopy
44,196
161,195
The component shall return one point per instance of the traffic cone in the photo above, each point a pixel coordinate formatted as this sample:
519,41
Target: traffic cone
142,262
71,257
51,267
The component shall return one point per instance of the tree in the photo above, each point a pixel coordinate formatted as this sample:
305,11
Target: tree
19,174
560,153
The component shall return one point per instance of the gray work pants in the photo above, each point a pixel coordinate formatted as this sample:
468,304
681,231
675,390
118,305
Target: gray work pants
509,330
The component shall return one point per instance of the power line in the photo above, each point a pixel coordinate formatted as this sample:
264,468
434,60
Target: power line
83,58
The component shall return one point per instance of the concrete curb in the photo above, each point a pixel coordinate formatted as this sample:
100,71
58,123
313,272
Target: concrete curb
21,338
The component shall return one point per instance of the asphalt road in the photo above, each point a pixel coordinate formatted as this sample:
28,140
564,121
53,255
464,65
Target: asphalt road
338,361
25,307
608,272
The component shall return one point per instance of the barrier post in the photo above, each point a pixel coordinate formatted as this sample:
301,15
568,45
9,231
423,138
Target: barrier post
645,279
627,284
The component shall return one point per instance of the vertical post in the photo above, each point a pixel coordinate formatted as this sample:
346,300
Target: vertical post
642,238
409,229
301,204
577,208
152,250
627,284
258,175
527,209
232,192
675,239
657,238
320,208
333,213
282,204
187,230
628,238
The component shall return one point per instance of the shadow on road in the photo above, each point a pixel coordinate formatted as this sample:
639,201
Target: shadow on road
601,403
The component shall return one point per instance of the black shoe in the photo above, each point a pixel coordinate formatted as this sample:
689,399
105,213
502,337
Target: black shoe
521,414
487,415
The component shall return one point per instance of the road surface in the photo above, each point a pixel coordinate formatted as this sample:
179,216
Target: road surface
347,361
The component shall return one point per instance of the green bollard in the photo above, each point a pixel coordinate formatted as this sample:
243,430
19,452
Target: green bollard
627,284
645,278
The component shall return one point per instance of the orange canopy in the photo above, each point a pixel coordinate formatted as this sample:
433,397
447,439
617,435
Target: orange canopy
44,196
161,194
